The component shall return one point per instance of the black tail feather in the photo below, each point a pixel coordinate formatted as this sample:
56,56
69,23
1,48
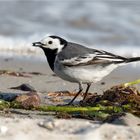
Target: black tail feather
133,59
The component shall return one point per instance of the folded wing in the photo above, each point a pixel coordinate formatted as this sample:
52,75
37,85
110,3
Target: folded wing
98,57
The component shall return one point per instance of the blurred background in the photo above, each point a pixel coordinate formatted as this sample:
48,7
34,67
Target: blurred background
113,25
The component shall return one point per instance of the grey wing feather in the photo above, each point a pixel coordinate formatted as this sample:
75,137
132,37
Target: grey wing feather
75,55
74,50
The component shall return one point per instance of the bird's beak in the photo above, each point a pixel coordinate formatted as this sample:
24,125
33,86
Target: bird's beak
37,44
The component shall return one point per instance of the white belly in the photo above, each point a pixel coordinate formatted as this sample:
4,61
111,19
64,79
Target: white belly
84,74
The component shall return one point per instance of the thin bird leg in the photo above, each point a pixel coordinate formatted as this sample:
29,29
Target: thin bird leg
85,95
80,90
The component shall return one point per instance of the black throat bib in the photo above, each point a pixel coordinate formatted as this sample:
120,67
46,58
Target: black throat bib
51,55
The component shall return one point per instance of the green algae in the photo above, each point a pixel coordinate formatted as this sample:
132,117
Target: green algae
4,104
114,102
132,83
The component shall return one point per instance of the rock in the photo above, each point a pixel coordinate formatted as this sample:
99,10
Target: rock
50,125
24,87
29,100
8,96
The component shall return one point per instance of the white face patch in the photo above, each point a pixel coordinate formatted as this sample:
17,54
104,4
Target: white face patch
52,43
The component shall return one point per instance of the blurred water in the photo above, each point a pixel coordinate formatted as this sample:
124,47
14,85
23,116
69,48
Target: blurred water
106,24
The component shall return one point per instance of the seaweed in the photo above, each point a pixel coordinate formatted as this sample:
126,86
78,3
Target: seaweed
19,74
13,73
112,104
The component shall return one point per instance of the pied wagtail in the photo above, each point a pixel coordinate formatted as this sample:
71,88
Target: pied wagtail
76,63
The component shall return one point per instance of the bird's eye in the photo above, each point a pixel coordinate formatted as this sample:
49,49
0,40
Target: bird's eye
50,42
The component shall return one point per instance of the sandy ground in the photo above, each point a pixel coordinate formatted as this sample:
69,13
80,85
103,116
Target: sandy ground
33,124
49,82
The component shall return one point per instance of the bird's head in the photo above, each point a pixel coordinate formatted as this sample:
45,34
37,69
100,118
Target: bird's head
52,43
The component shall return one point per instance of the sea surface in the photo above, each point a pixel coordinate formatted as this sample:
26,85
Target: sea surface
112,25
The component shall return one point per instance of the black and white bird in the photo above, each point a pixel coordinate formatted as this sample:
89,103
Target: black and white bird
76,63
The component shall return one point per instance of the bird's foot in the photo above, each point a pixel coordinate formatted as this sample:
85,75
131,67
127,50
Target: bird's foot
82,103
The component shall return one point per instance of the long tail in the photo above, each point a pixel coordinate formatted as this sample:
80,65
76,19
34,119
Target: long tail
133,59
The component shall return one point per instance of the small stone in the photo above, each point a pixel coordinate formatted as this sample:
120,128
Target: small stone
8,96
29,100
24,87
102,83
3,130
50,125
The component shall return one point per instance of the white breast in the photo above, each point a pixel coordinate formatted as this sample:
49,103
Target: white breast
84,74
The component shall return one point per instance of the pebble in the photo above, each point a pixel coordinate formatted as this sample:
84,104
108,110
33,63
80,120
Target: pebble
29,100
3,130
